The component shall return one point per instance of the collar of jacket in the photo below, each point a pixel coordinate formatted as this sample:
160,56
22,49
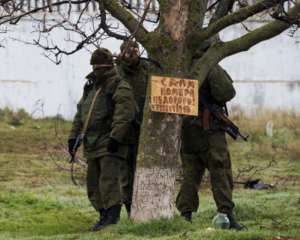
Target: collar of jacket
130,68
101,81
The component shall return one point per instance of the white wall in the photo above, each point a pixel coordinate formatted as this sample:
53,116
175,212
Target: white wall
267,76
28,79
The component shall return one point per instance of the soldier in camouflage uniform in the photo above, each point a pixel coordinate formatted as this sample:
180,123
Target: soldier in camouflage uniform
203,147
107,139
134,70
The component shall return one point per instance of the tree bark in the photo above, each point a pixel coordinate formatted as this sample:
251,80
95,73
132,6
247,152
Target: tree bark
159,144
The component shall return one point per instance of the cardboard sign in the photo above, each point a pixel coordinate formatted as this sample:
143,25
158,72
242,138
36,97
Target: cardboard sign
174,95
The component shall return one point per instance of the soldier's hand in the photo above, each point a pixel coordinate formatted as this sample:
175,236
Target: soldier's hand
71,145
113,145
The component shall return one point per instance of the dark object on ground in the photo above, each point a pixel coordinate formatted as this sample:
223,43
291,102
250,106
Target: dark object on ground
256,184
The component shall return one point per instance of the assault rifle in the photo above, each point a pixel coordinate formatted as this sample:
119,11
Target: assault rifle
77,144
226,124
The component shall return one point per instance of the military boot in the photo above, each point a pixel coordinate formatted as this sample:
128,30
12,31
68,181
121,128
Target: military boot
234,224
187,216
113,215
99,224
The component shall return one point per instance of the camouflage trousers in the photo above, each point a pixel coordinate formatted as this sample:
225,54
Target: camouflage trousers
127,172
214,156
103,187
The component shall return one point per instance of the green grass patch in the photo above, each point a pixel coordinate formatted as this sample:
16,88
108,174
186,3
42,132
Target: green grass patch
38,200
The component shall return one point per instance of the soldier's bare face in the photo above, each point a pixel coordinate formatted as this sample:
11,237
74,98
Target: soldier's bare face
131,54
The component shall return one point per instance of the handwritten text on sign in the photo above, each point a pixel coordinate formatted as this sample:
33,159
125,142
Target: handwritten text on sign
174,95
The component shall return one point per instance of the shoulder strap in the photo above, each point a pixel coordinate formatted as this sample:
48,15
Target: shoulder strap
86,123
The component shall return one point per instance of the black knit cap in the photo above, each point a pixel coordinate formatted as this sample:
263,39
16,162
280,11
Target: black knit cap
101,56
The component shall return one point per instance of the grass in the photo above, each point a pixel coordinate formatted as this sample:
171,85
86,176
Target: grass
38,200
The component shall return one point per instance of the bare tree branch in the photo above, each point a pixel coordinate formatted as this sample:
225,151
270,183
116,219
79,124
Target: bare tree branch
57,51
197,11
261,34
236,17
135,11
222,9
126,18
104,25
220,51
15,19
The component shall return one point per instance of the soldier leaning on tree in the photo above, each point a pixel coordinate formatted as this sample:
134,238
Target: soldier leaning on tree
203,147
108,109
133,70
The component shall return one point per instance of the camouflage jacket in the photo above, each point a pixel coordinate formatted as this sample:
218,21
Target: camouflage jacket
137,77
112,115
216,89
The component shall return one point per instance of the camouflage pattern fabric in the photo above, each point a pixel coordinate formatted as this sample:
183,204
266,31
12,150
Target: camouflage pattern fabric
103,188
112,117
113,114
207,149
137,77
213,155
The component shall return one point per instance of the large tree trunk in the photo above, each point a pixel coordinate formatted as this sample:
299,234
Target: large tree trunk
154,183
157,161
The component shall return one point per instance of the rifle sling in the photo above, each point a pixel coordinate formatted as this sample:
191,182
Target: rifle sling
86,123
82,134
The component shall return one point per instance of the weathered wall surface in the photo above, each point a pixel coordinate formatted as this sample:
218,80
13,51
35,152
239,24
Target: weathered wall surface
31,81
267,76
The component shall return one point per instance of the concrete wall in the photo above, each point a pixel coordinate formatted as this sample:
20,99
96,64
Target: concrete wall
31,81
267,76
